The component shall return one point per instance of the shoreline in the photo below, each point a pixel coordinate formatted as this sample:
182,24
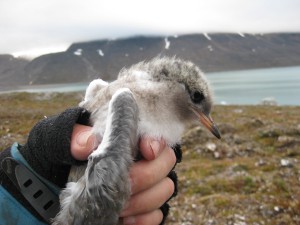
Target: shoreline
269,101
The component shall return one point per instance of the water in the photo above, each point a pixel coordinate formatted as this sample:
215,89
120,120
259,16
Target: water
70,87
252,86
235,87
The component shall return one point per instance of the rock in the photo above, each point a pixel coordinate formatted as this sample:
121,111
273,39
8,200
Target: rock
237,139
256,123
269,101
211,146
236,220
239,217
217,155
237,111
266,211
277,209
210,222
240,223
285,141
285,163
271,132
260,162
226,128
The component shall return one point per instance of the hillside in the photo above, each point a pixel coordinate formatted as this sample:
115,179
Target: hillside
12,71
104,58
250,176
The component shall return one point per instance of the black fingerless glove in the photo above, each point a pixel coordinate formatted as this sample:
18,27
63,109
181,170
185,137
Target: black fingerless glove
173,176
48,147
47,151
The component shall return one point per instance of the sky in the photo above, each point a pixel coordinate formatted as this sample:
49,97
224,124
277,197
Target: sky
34,27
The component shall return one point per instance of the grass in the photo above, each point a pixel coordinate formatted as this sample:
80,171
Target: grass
241,181
20,111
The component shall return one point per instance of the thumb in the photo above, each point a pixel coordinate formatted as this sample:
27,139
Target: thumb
83,142
151,148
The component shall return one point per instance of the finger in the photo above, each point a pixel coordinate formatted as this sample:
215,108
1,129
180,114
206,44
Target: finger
83,142
152,218
149,199
151,147
145,174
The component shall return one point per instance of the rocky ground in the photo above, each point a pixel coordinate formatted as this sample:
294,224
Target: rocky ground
250,176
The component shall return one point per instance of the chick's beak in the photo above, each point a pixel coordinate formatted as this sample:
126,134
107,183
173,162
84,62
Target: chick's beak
207,122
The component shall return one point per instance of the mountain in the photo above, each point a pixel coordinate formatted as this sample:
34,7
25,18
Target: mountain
12,71
104,58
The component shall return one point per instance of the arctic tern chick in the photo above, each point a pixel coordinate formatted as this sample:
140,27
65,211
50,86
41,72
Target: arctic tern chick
157,98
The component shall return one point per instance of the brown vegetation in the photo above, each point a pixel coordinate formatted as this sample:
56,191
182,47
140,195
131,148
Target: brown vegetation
250,176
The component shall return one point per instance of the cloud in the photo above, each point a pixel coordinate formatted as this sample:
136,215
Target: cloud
38,24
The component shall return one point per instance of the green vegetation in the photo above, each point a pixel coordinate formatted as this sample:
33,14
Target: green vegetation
250,176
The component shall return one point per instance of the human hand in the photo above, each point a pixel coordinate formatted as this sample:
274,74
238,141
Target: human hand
150,186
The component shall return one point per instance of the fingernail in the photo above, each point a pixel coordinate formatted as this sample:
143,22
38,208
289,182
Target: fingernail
83,137
129,220
155,146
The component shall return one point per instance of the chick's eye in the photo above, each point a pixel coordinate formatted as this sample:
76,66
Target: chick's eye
197,97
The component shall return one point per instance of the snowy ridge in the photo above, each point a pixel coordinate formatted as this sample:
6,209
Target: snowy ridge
167,46
78,52
207,36
241,34
100,52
